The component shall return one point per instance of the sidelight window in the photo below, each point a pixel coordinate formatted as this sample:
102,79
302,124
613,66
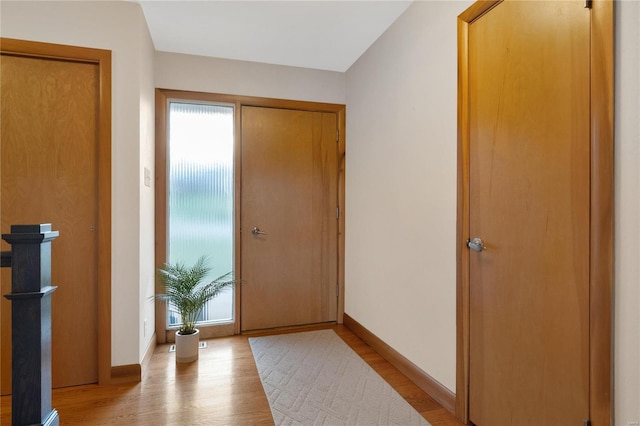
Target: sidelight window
200,197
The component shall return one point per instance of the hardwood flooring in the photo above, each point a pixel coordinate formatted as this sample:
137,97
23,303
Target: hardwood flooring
222,388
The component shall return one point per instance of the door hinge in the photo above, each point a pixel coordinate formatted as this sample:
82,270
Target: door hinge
588,4
586,423
337,290
337,213
337,135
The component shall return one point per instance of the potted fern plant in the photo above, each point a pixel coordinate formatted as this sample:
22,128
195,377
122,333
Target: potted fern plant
184,288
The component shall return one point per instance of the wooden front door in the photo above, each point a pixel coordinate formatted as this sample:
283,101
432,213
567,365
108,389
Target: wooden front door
289,195
529,201
49,175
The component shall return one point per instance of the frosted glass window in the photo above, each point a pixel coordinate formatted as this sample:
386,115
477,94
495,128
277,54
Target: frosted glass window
200,210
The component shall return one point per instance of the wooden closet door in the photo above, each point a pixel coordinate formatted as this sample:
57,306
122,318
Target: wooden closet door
49,175
529,94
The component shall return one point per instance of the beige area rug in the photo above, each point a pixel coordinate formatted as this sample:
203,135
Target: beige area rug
314,378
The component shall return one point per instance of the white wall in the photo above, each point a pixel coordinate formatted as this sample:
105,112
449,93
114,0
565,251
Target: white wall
116,26
147,193
401,187
627,214
214,75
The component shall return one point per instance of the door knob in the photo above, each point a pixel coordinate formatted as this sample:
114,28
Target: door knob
256,231
476,244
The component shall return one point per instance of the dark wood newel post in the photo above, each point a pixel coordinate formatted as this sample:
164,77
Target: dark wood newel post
31,324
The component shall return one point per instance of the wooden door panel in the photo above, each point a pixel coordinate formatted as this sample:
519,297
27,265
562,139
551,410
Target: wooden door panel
289,191
529,202
49,175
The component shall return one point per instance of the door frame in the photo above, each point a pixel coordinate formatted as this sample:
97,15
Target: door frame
238,101
102,59
601,212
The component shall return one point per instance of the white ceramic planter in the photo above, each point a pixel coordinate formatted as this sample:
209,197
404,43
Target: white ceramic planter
187,347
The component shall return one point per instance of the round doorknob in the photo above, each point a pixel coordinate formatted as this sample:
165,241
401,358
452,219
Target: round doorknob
476,244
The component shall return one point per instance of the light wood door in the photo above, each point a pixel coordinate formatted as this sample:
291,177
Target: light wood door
529,202
49,175
289,191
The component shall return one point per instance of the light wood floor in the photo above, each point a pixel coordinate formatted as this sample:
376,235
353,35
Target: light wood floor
222,388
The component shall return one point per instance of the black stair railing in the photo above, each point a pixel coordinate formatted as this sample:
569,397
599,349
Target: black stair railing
31,289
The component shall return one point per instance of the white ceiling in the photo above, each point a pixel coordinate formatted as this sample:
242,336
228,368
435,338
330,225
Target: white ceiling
326,35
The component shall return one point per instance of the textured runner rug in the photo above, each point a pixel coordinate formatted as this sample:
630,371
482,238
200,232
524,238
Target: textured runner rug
314,378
